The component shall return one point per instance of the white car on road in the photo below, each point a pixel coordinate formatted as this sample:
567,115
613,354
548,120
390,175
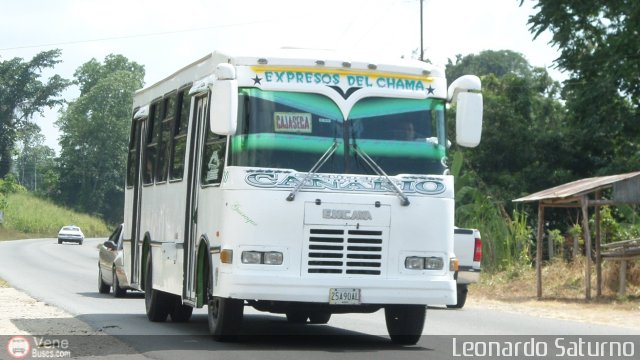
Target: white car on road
70,233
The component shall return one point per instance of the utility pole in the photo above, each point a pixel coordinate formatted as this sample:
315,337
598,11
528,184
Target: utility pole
421,34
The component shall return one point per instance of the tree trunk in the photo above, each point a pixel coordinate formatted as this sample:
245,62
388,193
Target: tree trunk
6,148
7,139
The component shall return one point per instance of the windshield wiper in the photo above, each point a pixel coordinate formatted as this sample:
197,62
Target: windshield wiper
323,159
404,200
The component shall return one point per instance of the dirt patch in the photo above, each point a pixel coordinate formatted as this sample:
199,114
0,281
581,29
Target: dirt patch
593,313
19,311
563,290
25,316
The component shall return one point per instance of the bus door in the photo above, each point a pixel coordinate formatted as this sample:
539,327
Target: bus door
136,243
191,226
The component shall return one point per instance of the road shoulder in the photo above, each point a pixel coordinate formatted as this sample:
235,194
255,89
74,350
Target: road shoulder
591,313
33,320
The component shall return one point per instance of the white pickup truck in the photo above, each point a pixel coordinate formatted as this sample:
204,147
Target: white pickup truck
468,248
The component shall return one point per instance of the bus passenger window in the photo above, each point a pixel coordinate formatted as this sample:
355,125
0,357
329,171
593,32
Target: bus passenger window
181,127
164,140
134,144
153,129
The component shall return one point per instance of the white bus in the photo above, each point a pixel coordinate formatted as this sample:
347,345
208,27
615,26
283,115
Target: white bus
298,182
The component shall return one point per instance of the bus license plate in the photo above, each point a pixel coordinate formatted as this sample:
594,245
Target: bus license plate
338,296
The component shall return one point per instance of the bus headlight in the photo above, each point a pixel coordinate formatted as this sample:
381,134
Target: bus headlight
251,257
272,258
433,263
423,263
260,257
414,263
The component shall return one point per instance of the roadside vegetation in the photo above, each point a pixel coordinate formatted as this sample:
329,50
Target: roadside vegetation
563,282
27,216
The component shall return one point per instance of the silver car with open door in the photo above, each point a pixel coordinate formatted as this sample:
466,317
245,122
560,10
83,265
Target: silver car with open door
111,273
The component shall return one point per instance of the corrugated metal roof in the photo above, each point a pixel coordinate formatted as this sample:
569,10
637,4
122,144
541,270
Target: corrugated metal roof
578,187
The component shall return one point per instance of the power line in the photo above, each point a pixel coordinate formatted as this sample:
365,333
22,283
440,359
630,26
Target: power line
123,37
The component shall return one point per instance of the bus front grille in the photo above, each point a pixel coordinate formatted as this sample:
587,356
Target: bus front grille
344,251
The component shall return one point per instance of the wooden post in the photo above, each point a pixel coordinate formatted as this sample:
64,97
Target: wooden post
598,254
623,278
540,236
550,248
584,202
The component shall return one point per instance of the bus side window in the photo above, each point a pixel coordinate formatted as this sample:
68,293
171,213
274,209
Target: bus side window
164,137
151,143
181,127
132,162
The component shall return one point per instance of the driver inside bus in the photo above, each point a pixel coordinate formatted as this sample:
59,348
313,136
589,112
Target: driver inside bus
406,131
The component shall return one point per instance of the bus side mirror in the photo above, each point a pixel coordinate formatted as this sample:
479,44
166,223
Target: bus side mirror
224,101
465,93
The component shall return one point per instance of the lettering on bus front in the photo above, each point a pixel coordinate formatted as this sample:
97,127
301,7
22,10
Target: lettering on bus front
419,185
363,81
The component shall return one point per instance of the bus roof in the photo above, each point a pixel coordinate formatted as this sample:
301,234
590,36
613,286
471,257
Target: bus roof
305,58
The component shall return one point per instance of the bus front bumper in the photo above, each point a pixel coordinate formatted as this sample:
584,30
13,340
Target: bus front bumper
372,291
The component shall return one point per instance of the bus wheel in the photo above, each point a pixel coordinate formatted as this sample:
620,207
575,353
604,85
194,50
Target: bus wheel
297,317
224,316
405,322
319,317
462,297
181,312
155,301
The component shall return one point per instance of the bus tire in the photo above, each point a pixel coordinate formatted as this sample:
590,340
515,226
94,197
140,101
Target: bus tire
297,317
319,317
405,323
155,301
181,312
462,297
225,318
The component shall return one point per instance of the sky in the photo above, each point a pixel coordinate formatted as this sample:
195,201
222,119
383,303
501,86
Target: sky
165,35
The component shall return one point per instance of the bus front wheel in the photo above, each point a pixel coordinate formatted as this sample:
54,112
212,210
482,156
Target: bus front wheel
405,322
462,297
224,317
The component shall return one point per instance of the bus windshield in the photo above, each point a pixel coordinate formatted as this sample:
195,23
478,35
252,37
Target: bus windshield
292,130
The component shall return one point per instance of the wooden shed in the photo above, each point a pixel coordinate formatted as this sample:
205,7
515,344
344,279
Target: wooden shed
584,194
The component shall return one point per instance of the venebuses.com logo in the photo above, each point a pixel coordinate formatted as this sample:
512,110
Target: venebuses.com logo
18,347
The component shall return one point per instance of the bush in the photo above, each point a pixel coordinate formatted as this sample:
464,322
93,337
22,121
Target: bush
9,184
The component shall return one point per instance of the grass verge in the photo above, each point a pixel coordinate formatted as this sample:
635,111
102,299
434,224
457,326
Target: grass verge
27,216
3,284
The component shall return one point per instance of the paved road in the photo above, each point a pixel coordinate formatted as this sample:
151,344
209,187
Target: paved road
66,276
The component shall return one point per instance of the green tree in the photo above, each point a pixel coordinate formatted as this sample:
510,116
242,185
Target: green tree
596,38
95,130
35,160
522,148
23,94
599,47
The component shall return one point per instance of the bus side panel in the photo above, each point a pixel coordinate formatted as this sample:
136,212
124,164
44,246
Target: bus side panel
163,220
